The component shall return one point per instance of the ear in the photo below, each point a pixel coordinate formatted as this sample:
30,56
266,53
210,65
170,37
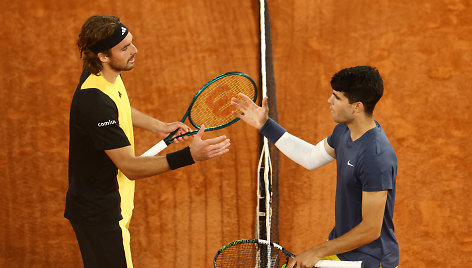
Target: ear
358,107
103,57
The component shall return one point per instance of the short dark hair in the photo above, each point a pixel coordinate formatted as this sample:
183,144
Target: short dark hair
360,83
95,29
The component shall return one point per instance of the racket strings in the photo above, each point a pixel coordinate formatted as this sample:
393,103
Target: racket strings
251,255
213,106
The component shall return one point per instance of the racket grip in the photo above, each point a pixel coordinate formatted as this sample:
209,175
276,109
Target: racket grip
155,149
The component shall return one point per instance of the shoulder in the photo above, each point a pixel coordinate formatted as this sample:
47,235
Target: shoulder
378,149
382,144
338,131
92,102
92,98
377,163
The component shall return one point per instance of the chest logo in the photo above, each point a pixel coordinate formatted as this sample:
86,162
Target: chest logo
109,122
349,163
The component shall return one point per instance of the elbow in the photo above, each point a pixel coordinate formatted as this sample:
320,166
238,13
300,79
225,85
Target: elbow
370,232
373,233
312,167
132,178
130,174
309,166
375,236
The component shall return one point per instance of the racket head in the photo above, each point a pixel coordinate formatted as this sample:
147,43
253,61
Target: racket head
250,253
212,106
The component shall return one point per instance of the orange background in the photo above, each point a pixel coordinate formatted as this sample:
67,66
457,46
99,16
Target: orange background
422,49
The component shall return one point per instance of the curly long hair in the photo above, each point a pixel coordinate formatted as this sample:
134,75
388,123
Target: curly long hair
95,28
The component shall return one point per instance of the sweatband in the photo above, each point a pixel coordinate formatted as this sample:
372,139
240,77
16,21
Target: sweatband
105,44
180,158
303,153
272,130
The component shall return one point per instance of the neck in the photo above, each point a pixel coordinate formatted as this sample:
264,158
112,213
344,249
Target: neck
109,74
360,125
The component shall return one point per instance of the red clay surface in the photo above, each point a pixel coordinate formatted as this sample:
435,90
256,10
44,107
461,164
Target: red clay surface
422,49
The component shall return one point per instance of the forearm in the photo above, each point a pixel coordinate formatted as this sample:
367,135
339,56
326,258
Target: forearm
137,167
369,229
141,167
360,235
145,121
303,153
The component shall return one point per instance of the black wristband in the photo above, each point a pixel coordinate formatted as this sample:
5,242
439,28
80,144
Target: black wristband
180,158
272,130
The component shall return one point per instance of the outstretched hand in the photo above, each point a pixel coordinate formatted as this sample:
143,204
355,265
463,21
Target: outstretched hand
210,148
252,114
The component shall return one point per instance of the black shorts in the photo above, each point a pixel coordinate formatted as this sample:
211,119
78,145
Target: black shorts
101,245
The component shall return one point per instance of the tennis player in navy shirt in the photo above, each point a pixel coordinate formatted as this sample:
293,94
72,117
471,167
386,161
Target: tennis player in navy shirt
366,170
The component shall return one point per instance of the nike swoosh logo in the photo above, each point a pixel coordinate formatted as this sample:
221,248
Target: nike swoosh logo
349,163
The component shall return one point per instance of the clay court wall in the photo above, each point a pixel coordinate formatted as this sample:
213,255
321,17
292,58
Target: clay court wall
181,218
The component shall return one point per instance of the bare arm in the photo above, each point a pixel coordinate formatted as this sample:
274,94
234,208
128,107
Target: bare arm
136,167
144,121
373,206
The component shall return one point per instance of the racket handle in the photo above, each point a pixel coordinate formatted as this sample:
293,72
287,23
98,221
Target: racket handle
155,149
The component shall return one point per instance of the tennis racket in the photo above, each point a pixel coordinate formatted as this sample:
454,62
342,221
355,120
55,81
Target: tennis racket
211,106
251,253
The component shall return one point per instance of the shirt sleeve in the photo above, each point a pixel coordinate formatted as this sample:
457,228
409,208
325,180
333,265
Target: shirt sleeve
99,118
378,171
333,138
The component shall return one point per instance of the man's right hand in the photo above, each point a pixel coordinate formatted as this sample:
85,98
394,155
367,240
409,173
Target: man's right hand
252,114
206,149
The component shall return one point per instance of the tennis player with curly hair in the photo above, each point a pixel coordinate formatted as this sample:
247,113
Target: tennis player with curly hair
103,166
